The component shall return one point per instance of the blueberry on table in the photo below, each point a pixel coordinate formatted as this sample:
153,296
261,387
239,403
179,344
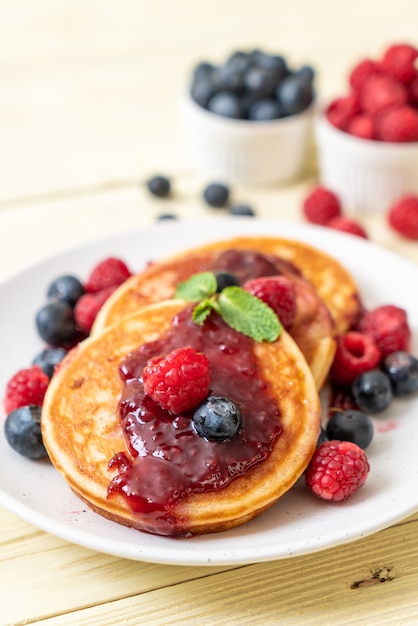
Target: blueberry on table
216,195
67,288
22,430
350,425
159,186
402,369
48,359
56,324
217,419
166,216
242,209
372,391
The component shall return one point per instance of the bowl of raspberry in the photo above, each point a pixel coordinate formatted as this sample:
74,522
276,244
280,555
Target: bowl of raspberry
367,139
249,119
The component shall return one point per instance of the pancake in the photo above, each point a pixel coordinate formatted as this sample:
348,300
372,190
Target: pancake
328,301
82,430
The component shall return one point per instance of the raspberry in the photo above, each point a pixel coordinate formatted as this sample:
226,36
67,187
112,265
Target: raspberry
361,72
356,352
27,386
403,216
107,273
399,124
337,470
347,225
178,381
362,126
413,91
321,205
88,306
279,292
342,110
388,326
398,61
381,92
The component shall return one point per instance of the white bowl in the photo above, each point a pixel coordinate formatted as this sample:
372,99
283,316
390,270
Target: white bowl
366,175
246,152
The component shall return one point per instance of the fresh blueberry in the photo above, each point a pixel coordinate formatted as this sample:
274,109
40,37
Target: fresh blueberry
55,323
230,79
203,71
22,430
217,419
272,62
306,73
239,62
225,279
66,288
402,369
159,186
48,359
350,425
242,209
226,104
264,109
166,216
216,195
372,391
260,81
202,90
293,95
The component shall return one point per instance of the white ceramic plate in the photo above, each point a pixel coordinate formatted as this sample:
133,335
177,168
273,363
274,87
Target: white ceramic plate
299,523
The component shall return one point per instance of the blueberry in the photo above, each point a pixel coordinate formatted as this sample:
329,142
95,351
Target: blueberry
226,104
372,391
264,109
55,323
216,195
203,71
402,369
306,73
230,79
272,62
293,95
166,216
260,81
48,358
66,288
239,62
242,209
225,279
22,430
217,419
351,425
159,186
202,90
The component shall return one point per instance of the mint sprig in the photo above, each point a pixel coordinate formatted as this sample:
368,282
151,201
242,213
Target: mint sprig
241,310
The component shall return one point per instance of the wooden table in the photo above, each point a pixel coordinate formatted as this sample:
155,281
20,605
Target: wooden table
87,112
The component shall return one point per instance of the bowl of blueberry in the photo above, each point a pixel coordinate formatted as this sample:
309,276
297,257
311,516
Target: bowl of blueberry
367,137
249,118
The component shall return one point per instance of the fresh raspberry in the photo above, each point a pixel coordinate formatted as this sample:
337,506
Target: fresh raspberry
361,72
321,205
399,124
381,92
362,126
356,352
341,110
108,273
413,91
403,216
27,386
88,306
398,61
279,292
347,225
178,381
388,326
337,470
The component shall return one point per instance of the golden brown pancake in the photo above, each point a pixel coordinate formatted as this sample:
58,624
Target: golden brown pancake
327,296
82,431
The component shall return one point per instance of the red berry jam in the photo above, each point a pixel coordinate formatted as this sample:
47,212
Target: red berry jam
165,458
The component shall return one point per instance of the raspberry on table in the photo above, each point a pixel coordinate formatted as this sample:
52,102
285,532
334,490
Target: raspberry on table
279,293
397,124
26,386
178,381
337,470
346,225
321,205
356,353
88,306
107,273
403,216
388,326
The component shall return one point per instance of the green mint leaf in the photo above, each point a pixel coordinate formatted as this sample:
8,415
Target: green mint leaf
248,314
197,287
203,309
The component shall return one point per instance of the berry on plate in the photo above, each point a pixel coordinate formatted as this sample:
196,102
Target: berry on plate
337,470
356,353
279,293
350,425
89,305
217,419
372,391
388,326
26,386
110,272
402,369
22,430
